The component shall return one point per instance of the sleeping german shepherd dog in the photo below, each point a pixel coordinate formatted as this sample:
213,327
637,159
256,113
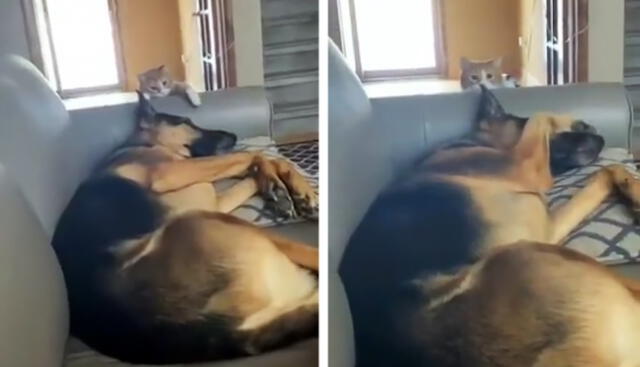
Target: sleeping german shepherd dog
458,264
157,270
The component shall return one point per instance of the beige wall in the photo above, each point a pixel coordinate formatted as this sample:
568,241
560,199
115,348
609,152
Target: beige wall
247,31
606,40
150,35
481,29
532,50
191,50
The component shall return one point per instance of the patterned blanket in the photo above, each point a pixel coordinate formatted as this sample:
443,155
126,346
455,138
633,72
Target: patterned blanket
305,158
609,234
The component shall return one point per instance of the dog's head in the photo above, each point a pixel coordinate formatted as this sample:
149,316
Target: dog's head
180,134
570,143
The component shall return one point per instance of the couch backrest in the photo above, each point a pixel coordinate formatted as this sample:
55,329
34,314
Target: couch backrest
413,125
33,302
49,151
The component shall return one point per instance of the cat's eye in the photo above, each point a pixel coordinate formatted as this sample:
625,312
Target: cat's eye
489,76
475,78
165,82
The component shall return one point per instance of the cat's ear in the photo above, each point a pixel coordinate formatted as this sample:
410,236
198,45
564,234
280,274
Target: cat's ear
162,68
490,108
497,63
465,63
146,113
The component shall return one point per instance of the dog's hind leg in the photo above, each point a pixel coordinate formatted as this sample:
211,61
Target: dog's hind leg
300,253
601,185
274,327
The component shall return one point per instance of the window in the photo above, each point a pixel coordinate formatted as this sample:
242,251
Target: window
394,39
83,46
216,33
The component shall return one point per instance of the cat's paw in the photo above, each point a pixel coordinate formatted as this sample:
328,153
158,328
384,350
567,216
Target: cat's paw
194,98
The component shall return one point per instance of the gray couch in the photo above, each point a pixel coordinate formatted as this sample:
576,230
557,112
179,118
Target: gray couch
45,152
370,141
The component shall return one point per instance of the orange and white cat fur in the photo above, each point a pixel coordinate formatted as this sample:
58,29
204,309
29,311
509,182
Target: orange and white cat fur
485,72
157,82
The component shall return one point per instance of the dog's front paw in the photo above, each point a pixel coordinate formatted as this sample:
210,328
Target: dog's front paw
273,191
278,200
306,204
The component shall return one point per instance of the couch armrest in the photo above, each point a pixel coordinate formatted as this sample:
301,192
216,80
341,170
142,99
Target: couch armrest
33,301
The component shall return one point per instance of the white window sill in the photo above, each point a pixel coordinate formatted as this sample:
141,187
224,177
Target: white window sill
412,87
99,100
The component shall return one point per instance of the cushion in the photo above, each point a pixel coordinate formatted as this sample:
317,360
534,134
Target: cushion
301,354
609,234
304,156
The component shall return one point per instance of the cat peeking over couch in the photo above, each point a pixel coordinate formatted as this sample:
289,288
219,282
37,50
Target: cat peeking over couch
157,82
485,72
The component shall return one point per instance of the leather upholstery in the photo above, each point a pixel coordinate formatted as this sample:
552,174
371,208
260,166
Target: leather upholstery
369,146
354,179
48,152
412,125
33,302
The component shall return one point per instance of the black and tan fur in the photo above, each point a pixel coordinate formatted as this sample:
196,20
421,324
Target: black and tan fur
158,272
457,263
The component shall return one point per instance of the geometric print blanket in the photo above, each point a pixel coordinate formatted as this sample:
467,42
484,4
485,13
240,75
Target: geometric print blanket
609,234
304,157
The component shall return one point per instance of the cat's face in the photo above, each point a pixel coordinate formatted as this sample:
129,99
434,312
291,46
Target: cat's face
476,73
156,82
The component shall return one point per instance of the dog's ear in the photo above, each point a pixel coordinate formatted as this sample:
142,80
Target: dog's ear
146,113
490,108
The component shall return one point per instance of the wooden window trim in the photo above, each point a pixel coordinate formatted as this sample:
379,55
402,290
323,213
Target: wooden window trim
368,76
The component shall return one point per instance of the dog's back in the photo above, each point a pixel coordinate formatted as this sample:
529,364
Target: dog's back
148,284
530,304
107,210
419,226
422,294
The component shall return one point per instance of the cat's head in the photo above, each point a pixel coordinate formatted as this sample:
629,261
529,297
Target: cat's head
156,82
476,73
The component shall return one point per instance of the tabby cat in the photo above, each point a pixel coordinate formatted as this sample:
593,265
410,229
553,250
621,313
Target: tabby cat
488,73
157,82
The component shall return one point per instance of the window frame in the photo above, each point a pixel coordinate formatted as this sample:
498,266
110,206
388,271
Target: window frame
567,41
49,58
394,74
216,36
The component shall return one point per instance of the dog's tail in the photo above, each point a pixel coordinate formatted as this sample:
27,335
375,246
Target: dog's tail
293,326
